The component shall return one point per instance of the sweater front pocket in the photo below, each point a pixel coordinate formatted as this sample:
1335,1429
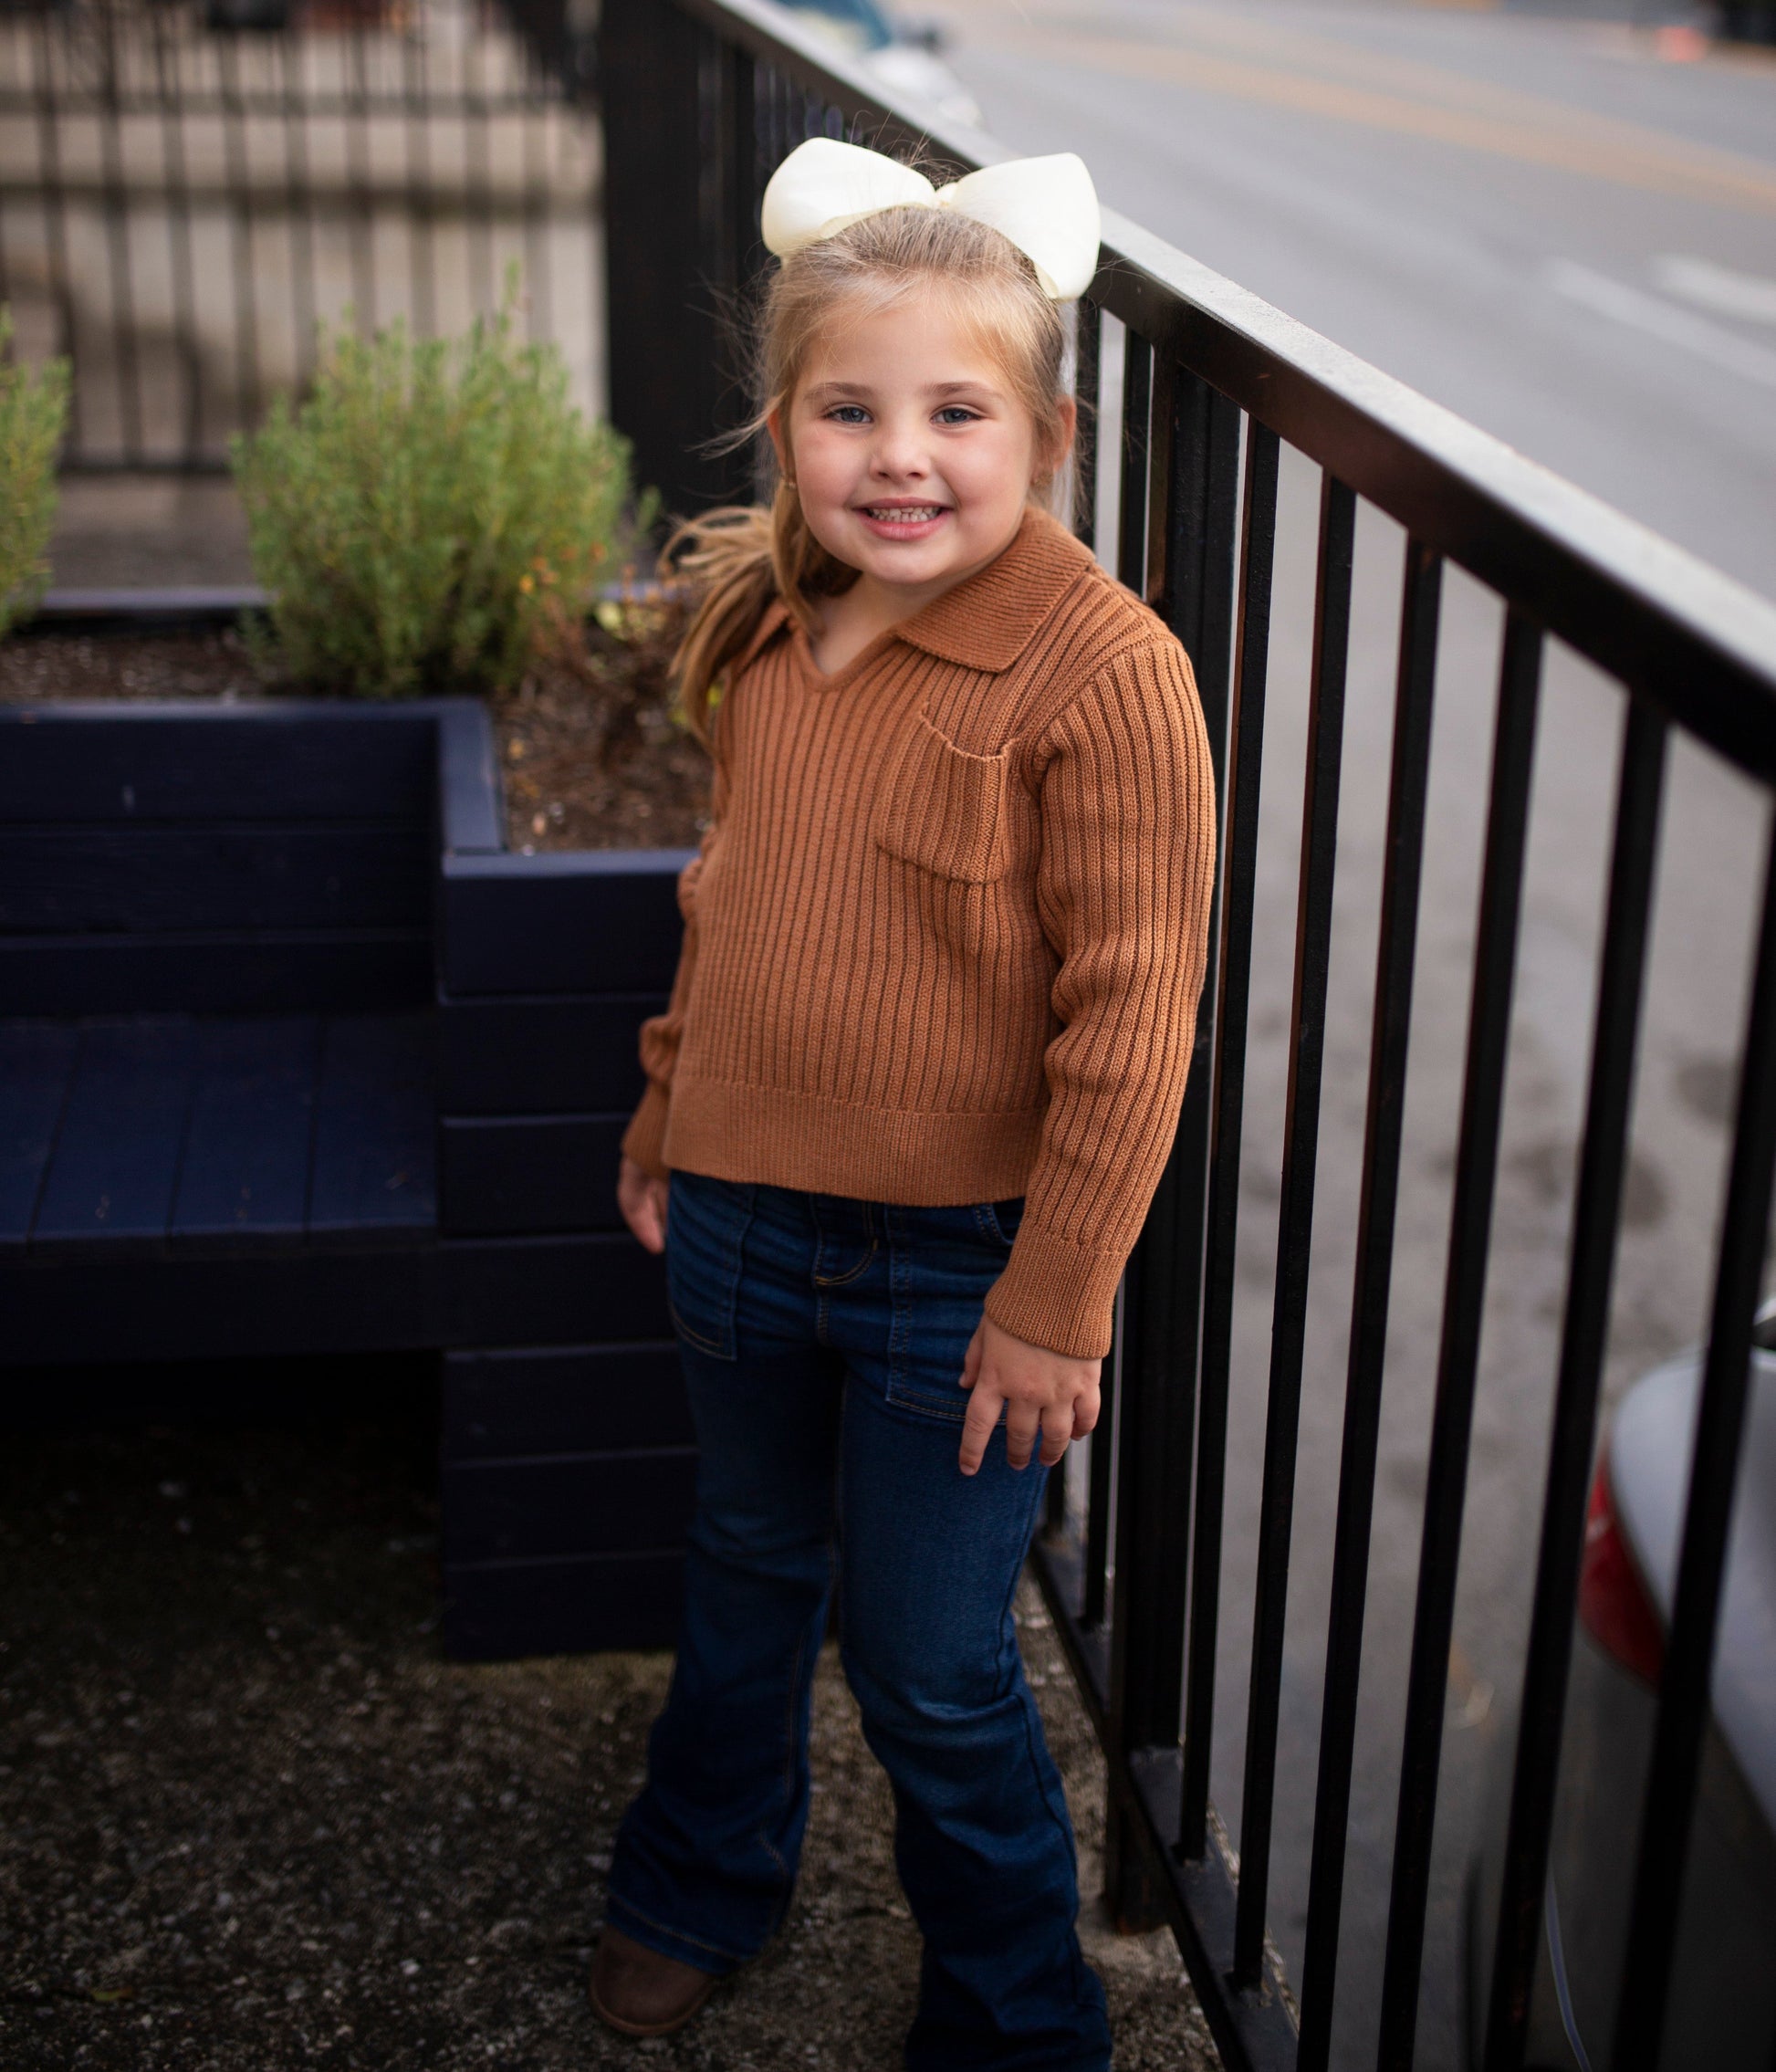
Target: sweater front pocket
944,809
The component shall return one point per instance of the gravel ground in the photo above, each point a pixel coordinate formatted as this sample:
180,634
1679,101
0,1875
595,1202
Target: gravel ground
249,1820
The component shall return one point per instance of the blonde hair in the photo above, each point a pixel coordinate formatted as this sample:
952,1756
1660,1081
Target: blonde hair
740,558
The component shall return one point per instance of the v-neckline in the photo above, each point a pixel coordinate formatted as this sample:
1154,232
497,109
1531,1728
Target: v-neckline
831,679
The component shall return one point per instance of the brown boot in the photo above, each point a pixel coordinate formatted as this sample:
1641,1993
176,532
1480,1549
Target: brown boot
643,1994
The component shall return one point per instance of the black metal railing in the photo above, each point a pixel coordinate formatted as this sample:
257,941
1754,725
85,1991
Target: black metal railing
182,203
1216,389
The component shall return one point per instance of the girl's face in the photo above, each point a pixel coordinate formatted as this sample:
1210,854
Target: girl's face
912,457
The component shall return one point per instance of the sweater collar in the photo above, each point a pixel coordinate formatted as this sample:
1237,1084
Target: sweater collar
988,622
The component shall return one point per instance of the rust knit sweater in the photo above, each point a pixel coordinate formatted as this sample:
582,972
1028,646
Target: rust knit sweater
945,937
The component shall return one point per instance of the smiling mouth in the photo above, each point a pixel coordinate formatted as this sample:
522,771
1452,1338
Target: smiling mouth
902,514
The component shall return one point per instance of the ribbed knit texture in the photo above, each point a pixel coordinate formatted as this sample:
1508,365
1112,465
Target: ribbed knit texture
945,937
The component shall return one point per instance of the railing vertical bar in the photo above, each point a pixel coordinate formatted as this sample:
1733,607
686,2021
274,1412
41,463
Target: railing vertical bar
116,238
537,312
1131,516
1232,992
1146,1669
1584,1338
740,250
1088,352
170,83
1684,1685
1476,1158
478,157
422,267
1403,863
1100,1486
360,224
298,200
1332,630
55,212
247,315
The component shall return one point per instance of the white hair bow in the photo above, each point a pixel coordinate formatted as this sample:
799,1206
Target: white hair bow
1048,207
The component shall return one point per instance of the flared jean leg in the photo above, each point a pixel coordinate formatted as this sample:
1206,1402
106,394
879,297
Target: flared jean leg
929,1565
705,1858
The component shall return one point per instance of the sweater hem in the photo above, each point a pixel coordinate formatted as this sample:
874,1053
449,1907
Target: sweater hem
923,1158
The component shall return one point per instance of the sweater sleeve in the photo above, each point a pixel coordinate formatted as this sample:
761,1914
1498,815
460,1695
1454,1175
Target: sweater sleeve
1127,870
661,1034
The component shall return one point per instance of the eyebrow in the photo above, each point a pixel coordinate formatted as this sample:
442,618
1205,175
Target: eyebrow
825,390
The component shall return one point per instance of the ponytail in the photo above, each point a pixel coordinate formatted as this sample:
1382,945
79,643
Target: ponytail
741,558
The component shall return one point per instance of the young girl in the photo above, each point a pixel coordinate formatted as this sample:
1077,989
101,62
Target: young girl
919,1073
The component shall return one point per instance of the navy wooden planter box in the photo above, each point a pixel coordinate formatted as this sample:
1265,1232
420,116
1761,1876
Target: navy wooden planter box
295,1057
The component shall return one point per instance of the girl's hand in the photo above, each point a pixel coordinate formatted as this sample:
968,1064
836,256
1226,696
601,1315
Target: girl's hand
642,1200
1042,1392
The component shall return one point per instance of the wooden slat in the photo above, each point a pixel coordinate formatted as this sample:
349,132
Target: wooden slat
274,972
591,1290
497,1611
245,1175
79,1307
374,1158
155,879
583,1504
594,922
413,1294
271,763
541,1055
506,1173
117,1158
563,1399
36,1062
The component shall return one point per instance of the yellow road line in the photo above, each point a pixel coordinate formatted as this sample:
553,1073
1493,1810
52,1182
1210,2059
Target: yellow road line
1563,139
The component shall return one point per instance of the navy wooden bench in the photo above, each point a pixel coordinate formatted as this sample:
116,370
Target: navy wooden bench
295,1058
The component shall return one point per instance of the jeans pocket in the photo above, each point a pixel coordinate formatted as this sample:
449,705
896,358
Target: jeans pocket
706,1222
1000,1219
944,1262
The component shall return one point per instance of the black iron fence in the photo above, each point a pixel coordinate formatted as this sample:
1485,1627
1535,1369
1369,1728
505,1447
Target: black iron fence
1206,397
181,201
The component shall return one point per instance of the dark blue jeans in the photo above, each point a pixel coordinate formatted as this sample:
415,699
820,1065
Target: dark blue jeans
822,1341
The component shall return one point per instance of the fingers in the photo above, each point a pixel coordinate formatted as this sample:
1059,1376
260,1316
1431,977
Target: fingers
642,1200
1023,1426
977,1427
1059,1422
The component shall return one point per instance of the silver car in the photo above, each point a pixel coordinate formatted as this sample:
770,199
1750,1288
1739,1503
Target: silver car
1722,2012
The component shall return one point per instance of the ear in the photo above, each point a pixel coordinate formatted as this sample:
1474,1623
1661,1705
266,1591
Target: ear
776,424
1066,430
1053,450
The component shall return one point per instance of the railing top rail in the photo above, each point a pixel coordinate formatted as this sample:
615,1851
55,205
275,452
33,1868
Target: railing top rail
1701,646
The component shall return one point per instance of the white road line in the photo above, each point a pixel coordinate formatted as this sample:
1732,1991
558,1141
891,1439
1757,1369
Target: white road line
1662,319
1729,294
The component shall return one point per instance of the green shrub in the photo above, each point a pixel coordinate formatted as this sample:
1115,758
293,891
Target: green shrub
33,411
433,517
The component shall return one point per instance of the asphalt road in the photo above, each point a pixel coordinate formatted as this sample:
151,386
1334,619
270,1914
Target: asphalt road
1572,240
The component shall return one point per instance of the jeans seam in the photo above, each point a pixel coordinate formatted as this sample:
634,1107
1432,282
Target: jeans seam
844,1280
679,1934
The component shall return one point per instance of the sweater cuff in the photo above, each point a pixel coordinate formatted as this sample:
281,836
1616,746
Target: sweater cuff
1057,1294
644,1139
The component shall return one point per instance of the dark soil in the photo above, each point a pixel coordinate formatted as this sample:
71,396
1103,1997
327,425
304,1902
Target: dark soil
250,1820
589,752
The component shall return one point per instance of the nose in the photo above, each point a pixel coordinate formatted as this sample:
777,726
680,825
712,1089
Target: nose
899,454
